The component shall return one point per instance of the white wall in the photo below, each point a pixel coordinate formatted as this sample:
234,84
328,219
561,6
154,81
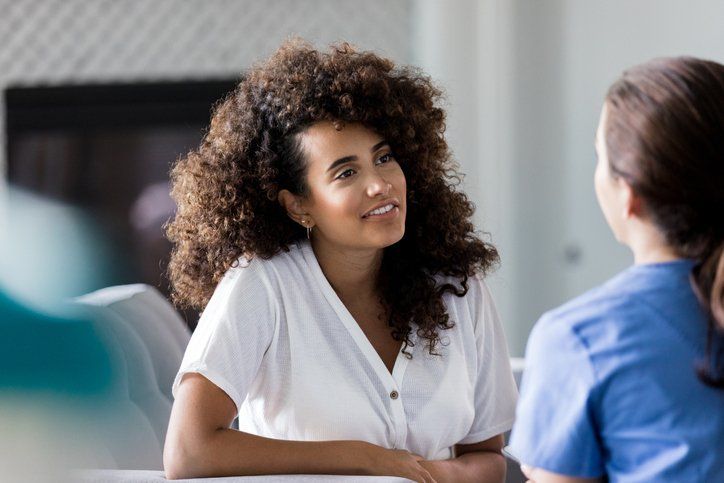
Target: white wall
602,38
464,47
525,81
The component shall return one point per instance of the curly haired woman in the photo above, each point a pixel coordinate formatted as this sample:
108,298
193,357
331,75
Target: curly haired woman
346,321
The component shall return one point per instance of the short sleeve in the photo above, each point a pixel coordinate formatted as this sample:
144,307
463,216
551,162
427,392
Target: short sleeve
555,426
234,332
495,390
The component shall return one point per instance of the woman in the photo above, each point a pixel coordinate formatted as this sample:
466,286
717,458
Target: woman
625,382
346,321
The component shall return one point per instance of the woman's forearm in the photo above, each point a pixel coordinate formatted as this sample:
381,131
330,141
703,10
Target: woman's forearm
231,453
477,466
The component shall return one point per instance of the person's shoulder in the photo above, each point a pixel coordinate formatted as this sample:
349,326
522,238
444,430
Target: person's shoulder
598,318
472,301
255,281
472,288
256,266
612,297
250,277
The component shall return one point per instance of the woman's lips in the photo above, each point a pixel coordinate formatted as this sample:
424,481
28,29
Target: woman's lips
390,214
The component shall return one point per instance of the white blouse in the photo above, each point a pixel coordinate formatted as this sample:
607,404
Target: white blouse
278,340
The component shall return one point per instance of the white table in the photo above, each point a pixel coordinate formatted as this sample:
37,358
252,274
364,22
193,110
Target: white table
150,476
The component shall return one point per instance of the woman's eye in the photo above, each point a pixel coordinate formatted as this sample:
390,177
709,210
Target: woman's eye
385,158
345,174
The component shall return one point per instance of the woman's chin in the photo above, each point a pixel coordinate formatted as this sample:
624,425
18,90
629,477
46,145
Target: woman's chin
391,239
367,239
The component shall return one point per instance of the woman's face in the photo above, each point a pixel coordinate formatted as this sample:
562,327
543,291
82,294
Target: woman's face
608,188
357,190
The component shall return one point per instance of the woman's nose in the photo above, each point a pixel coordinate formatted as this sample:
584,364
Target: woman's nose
378,186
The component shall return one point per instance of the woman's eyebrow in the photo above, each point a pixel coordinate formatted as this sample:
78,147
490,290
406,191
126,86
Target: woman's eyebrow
343,160
348,159
378,145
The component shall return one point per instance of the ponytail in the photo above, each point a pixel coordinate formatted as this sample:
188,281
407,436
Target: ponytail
708,282
665,131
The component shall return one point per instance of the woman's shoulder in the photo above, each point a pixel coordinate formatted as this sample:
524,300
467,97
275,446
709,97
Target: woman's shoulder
474,287
596,321
610,298
256,276
477,301
255,266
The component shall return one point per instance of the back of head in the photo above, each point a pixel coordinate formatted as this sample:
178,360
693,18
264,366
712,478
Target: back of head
665,137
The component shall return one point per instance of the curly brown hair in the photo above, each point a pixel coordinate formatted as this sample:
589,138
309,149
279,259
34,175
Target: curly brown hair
226,190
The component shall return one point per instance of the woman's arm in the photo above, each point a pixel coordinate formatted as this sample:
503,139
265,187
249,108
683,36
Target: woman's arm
537,475
479,462
199,443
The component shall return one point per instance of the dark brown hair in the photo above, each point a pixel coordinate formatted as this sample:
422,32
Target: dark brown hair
665,136
226,190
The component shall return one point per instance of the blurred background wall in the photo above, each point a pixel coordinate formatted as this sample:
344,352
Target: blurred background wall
524,82
102,96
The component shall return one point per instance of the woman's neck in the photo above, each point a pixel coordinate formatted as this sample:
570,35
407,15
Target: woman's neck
655,256
649,246
350,272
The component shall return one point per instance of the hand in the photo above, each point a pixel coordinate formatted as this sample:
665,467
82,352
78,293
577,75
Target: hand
398,462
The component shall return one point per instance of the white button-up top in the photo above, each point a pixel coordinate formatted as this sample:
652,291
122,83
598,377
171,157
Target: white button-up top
276,338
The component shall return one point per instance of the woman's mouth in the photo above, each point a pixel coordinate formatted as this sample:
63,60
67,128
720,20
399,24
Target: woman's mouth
386,211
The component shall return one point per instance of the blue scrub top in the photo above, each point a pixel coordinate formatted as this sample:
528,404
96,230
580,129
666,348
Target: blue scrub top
610,386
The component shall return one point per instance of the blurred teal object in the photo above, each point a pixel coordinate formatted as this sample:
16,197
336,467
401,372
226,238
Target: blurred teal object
51,252
50,354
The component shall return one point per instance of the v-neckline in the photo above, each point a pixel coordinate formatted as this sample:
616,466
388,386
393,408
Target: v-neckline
358,335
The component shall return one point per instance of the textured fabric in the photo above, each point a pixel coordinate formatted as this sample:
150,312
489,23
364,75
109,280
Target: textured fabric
610,384
277,339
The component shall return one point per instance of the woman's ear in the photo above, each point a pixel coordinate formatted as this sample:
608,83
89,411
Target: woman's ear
293,206
630,201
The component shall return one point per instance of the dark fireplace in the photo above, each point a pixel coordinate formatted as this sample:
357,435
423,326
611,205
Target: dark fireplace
107,149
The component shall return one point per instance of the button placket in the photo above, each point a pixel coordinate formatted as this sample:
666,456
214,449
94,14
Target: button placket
399,419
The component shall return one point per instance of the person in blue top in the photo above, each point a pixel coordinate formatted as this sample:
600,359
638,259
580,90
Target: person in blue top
626,382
